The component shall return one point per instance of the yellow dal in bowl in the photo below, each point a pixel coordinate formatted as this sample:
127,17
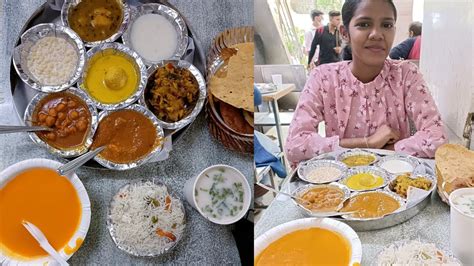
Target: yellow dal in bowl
111,77
314,246
371,205
364,181
358,160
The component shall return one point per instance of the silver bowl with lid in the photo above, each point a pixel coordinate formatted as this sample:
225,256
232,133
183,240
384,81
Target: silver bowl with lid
29,38
199,103
68,4
140,68
66,153
169,14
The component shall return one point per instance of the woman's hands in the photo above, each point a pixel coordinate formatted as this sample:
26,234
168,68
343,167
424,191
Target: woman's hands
383,135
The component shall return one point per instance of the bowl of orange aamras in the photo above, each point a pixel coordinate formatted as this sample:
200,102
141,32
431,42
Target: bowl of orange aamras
59,206
309,241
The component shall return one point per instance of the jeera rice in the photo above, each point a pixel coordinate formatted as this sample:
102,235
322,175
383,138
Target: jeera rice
146,219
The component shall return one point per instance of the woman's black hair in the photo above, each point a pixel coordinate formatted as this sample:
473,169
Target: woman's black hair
348,10
350,7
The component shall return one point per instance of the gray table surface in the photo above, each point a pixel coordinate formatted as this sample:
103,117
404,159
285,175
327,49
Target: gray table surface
205,243
431,225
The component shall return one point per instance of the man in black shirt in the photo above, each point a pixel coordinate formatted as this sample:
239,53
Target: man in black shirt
404,49
329,40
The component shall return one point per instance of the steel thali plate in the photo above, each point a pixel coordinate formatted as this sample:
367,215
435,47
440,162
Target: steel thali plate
373,224
22,93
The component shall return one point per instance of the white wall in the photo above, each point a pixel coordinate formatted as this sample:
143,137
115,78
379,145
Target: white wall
446,61
266,27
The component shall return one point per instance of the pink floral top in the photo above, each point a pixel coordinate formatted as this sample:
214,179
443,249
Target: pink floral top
353,109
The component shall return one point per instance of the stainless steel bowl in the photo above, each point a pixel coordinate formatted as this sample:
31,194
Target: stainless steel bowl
30,37
66,153
68,4
172,16
306,167
158,144
400,201
200,101
353,152
397,157
431,178
376,171
301,190
139,67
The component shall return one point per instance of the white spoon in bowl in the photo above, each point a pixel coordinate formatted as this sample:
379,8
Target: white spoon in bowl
43,242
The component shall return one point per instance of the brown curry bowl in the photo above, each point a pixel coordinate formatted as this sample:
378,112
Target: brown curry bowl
59,122
156,148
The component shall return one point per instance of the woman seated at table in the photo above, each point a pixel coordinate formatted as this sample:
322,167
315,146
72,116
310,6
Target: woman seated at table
366,102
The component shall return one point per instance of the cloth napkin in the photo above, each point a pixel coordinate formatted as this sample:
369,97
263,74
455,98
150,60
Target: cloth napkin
257,96
263,157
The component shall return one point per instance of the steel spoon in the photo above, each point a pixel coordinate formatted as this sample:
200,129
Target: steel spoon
5,129
79,161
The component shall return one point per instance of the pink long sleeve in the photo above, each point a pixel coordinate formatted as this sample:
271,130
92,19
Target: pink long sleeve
420,107
352,109
303,141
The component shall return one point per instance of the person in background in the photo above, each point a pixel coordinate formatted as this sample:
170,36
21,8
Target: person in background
316,18
366,102
410,48
329,40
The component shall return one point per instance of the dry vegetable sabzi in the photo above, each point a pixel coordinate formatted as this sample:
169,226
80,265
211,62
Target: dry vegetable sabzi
402,182
174,93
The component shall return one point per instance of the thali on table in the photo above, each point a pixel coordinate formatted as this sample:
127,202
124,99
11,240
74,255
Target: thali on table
189,54
391,190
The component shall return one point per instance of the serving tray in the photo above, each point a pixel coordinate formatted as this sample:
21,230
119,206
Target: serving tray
22,93
373,224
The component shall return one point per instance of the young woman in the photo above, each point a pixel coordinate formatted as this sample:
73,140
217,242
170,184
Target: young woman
366,102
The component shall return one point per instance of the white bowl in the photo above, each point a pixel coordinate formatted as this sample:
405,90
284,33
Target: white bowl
190,186
264,240
12,171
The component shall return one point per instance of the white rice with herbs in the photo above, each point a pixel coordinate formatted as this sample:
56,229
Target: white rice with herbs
414,253
146,219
